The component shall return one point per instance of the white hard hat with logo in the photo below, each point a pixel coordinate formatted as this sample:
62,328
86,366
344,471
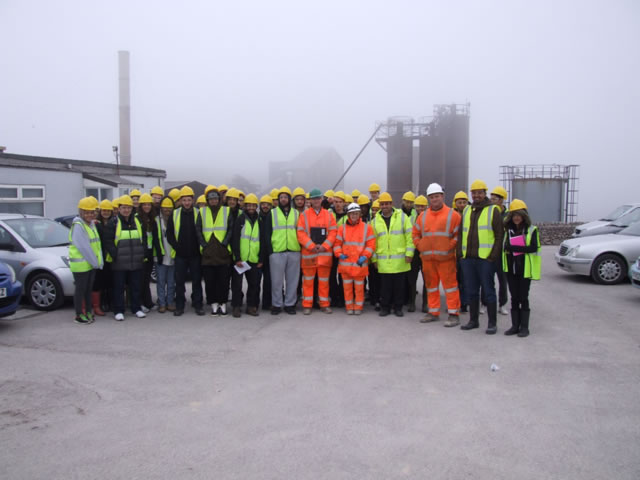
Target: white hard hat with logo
434,188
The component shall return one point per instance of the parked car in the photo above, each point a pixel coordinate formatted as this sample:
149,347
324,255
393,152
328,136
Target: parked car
606,258
37,249
634,273
10,290
66,220
597,227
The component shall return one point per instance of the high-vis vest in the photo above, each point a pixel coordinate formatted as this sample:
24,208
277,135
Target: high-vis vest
284,237
393,244
435,232
486,237
532,261
176,225
77,262
126,234
218,227
308,220
354,241
250,241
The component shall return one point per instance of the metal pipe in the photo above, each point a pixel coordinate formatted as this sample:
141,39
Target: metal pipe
357,156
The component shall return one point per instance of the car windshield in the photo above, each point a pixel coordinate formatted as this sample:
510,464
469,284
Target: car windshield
40,232
617,213
628,218
631,230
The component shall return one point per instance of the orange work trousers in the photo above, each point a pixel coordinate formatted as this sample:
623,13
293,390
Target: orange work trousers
308,276
445,272
349,284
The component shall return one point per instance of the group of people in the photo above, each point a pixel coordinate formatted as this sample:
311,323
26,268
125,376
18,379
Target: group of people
321,250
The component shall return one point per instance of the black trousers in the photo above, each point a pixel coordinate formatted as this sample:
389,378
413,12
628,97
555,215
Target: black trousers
82,294
519,289
121,279
374,286
392,290
412,279
216,282
463,293
336,292
145,291
502,284
184,264
253,277
266,285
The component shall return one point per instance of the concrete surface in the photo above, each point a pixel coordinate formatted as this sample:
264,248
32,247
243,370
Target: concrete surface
327,396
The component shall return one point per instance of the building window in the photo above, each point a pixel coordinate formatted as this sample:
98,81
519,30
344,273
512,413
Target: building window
99,193
25,199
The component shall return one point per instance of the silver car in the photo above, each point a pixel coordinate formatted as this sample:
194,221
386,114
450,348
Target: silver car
598,227
606,258
38,250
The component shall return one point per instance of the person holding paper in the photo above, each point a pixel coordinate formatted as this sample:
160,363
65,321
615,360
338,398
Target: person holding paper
521,262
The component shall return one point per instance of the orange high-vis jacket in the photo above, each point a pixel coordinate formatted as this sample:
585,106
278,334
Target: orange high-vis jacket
308,220
435,234
354,241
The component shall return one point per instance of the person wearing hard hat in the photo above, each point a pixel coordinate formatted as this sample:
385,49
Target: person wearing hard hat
374,191
327,199
201,202
241,197
393,255
299,199
316,233
135,198
266,204
355,244
174,194
156,194
222,191
499,197
125,243
374,276
274,197
280,243
435,235
521,261
116,207
479,247
183,238
101,295
164,256
85,257
461,200
365,207
147,216
307,201
336,292
245,245
408,200
421,205
233,198
375,208
214,228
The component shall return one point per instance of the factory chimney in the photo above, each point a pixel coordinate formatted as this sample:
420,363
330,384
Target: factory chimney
125,107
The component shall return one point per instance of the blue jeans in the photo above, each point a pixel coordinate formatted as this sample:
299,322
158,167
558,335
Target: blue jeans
477,273
166,286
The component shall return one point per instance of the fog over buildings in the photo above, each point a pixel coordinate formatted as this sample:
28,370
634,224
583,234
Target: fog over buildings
223,88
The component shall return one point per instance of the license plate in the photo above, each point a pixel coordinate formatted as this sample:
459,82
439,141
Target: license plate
3,292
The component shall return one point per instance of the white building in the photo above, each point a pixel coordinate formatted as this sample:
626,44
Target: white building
52,186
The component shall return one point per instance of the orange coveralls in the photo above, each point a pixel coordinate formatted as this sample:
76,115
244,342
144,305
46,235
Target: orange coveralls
354,241
435,235
313,262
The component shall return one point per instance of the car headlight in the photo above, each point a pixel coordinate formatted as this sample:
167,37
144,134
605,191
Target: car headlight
13,273
573,252
65,260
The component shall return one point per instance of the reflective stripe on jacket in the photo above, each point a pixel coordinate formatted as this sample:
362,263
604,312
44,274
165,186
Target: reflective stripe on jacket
532,261
486,237
308,220
77,262
354,241
176,224
250,241
283,236
435,234
393,244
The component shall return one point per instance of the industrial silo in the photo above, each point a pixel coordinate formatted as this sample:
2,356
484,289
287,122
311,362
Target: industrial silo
431,167
399,156
456,151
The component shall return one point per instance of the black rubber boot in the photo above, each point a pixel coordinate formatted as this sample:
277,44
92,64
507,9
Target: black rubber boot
492,312
515,322
524,323
474,313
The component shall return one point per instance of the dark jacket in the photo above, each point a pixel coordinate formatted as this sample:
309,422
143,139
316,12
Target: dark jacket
472,235
237,232
129,255
215,252
515,264
187,246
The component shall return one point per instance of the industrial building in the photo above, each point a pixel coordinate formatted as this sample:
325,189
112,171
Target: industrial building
52,186
317,167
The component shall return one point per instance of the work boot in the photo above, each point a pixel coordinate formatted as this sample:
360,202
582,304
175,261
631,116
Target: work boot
429,317
412,306
306,311
515,322
171,307
95,301
349,312
253,311
524,323
452,321
474,312
275,310
398,312
235,312
326,310
492,312
384,312
357,312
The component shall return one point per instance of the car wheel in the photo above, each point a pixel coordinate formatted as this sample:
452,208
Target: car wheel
44,291
608,269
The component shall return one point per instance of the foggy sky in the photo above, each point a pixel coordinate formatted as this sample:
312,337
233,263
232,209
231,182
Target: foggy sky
219,88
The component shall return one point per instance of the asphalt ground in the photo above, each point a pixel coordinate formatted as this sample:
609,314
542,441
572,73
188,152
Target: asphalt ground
327,396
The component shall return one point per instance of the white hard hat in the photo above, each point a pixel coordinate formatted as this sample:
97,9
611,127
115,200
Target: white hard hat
353,207
434,188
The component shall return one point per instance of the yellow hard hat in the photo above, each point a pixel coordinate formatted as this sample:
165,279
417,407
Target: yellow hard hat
517,204
298,191
241,193
409,196
201,199
233,193
265,199
421,200
135,193
348,198
209,189
167,203
174,194
115,203
329,194
284,189
355,193
251,198
86,204
375,204
223,188
186,191
94,200
306,195
106,205
125,201
363,199
146,198
460,195
384,197
499,191
274,193
374,187
340,194
479,185
157,190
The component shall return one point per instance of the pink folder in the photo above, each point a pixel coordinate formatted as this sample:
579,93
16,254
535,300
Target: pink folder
518,241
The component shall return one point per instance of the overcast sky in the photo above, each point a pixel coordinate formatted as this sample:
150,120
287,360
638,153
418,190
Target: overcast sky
224,87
